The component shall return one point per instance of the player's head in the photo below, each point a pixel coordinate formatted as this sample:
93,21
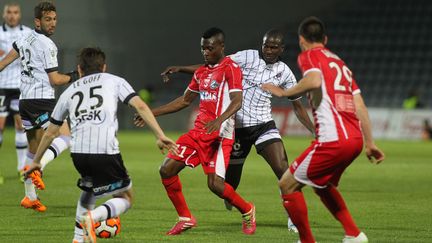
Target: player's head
213,45
45,18
272,46
91,60
311,31
12,14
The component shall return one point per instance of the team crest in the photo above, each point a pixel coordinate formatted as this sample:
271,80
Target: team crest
214,84
279,75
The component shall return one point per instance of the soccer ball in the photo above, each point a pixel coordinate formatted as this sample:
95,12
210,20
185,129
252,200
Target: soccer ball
107,228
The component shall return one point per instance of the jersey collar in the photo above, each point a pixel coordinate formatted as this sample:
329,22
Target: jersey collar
5,29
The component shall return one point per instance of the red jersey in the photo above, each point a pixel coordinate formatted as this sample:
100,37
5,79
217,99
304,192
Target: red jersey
335,116
214,83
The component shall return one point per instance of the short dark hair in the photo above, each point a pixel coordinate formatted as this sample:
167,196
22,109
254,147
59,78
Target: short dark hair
43,7
312,29
213,32
275,33
91,60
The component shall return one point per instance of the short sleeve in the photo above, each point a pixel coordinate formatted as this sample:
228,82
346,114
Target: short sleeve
194,84
126,92
60,110
307,62
234,77
241,57
49,58
289,79
355,88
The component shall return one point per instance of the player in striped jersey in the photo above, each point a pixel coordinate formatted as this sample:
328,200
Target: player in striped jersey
10,31
254,122
38,55
91,105
341,119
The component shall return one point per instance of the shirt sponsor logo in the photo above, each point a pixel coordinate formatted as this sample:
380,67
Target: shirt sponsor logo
207,96
214,84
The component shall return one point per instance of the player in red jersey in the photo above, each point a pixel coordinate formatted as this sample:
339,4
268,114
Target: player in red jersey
209,143
341,123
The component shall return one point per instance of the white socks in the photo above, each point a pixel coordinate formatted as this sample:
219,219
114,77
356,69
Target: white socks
30,191
110,209
86,202
59,144
21,148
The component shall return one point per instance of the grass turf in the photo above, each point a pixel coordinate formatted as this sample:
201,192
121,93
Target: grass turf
390,202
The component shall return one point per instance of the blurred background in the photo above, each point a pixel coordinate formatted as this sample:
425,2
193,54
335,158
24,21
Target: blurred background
386,43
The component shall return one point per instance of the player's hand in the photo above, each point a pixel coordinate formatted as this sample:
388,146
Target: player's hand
138,121
275,90
165,143
212,126
169,70
374,154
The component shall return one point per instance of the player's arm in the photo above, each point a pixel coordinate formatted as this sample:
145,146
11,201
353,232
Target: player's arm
235,105
372,151
57,78
178,104
145,113
176,69
9,58
303,116
312,80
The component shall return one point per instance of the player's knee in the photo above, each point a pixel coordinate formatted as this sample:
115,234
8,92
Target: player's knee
164,171
216,187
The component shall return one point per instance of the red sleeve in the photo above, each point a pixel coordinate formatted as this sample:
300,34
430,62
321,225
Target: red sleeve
307,61
355,87
194,85
234,77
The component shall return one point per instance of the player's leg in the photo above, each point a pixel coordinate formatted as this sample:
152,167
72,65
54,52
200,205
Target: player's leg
59,144
2,126
86,202
3,113
21,143
240,151
295,205
216,183
31,200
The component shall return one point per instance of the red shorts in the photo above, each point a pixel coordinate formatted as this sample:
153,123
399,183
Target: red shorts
209,150
324,163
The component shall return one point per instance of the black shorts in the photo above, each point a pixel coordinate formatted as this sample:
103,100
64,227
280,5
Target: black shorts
101,174
35,113
9,101
259,135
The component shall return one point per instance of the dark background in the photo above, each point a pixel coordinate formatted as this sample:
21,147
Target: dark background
385,43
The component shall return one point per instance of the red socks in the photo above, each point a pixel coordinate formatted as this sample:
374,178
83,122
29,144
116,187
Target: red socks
174,190
235,199
333,200
295,205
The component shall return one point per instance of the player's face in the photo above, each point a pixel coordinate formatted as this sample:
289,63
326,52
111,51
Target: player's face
12,15
272,49
212,50
47,23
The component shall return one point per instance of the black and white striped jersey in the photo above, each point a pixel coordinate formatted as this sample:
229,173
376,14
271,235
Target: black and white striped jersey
256,108
91,104
38,55
10,77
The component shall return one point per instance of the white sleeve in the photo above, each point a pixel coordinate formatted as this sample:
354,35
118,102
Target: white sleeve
289,82
241,57
126,92
60,111
49,58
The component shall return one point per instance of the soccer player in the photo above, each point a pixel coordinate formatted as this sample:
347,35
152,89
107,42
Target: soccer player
254,122
219,85
10,31
91,104
341,123
38,56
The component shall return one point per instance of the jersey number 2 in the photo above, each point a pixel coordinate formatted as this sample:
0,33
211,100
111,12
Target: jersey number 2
92,95
339,72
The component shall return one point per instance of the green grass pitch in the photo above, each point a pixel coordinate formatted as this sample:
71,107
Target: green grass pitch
391,202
